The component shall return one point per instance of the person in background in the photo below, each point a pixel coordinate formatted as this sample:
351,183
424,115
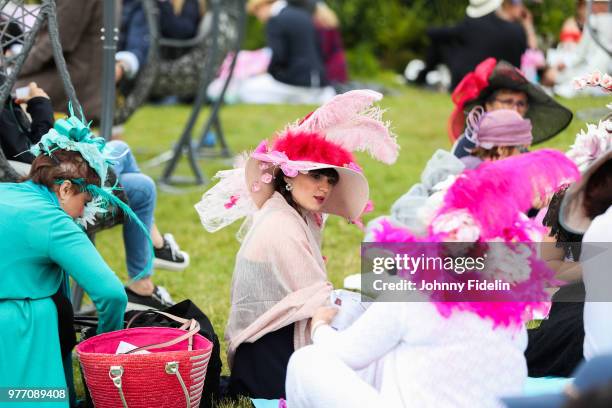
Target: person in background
141,193
592,53
178,19
18,132
486,32
328,27
296,73
79,23
569,38
496,135
499,85
516,11
571,31
556,346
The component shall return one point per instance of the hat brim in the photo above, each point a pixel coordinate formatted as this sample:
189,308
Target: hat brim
572,216
548,117
347,199
483,9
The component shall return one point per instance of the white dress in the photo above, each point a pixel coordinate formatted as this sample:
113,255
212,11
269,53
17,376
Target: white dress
408,355
597,277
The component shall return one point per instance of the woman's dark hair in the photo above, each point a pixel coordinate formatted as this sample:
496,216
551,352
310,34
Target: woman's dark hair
61,165
598,191
280,184
570,243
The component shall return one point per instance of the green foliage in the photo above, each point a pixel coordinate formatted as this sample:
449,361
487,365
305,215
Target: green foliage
255,36
362,61
392,30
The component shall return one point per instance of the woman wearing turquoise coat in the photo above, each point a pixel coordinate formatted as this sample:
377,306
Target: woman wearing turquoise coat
41,245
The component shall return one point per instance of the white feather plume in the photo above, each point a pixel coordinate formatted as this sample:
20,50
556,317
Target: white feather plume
351,121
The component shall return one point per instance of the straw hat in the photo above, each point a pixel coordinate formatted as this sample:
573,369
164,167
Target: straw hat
479,8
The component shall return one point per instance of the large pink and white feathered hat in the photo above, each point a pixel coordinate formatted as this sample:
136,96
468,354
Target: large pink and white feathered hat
325,138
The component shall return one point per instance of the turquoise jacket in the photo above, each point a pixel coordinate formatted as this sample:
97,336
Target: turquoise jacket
40,245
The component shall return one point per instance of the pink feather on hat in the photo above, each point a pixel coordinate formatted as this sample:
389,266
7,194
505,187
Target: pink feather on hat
351,121
495,196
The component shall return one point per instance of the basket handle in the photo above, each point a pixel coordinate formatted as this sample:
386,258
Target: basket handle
168,315
115,373
194,328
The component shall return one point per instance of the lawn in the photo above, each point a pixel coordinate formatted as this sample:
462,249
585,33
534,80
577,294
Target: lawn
418,118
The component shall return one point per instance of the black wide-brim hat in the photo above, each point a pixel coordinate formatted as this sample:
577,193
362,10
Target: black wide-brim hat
548,117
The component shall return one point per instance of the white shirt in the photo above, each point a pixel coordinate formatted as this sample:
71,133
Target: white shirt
596,260
422,359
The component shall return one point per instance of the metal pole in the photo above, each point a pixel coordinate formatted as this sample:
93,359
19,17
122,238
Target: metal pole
184,143
110,36
214,117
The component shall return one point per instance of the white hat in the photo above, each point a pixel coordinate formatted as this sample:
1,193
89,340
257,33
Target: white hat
479,8
324,139
349,196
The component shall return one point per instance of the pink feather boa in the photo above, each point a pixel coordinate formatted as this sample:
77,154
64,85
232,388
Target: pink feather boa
495,195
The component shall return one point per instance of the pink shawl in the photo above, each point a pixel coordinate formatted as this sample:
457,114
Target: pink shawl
279,277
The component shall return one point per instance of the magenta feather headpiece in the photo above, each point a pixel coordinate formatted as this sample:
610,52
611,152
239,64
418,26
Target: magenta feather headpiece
488,205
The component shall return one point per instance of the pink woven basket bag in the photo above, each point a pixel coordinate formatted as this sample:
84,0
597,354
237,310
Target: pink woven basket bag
171,376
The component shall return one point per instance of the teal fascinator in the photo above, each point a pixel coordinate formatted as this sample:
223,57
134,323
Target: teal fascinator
73,134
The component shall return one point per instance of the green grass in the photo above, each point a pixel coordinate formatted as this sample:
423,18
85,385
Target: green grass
419,120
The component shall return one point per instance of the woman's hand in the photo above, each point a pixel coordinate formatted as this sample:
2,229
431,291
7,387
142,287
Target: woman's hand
324,314
34,91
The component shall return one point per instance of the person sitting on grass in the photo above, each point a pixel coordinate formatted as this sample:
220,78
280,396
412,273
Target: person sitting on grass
499,85
296,73
496,135
440,347
287,186
587,209
18,134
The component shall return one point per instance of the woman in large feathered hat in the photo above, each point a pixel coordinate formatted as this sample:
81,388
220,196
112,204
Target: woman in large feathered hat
285,189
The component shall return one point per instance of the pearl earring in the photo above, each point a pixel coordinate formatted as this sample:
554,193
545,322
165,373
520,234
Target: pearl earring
289,187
